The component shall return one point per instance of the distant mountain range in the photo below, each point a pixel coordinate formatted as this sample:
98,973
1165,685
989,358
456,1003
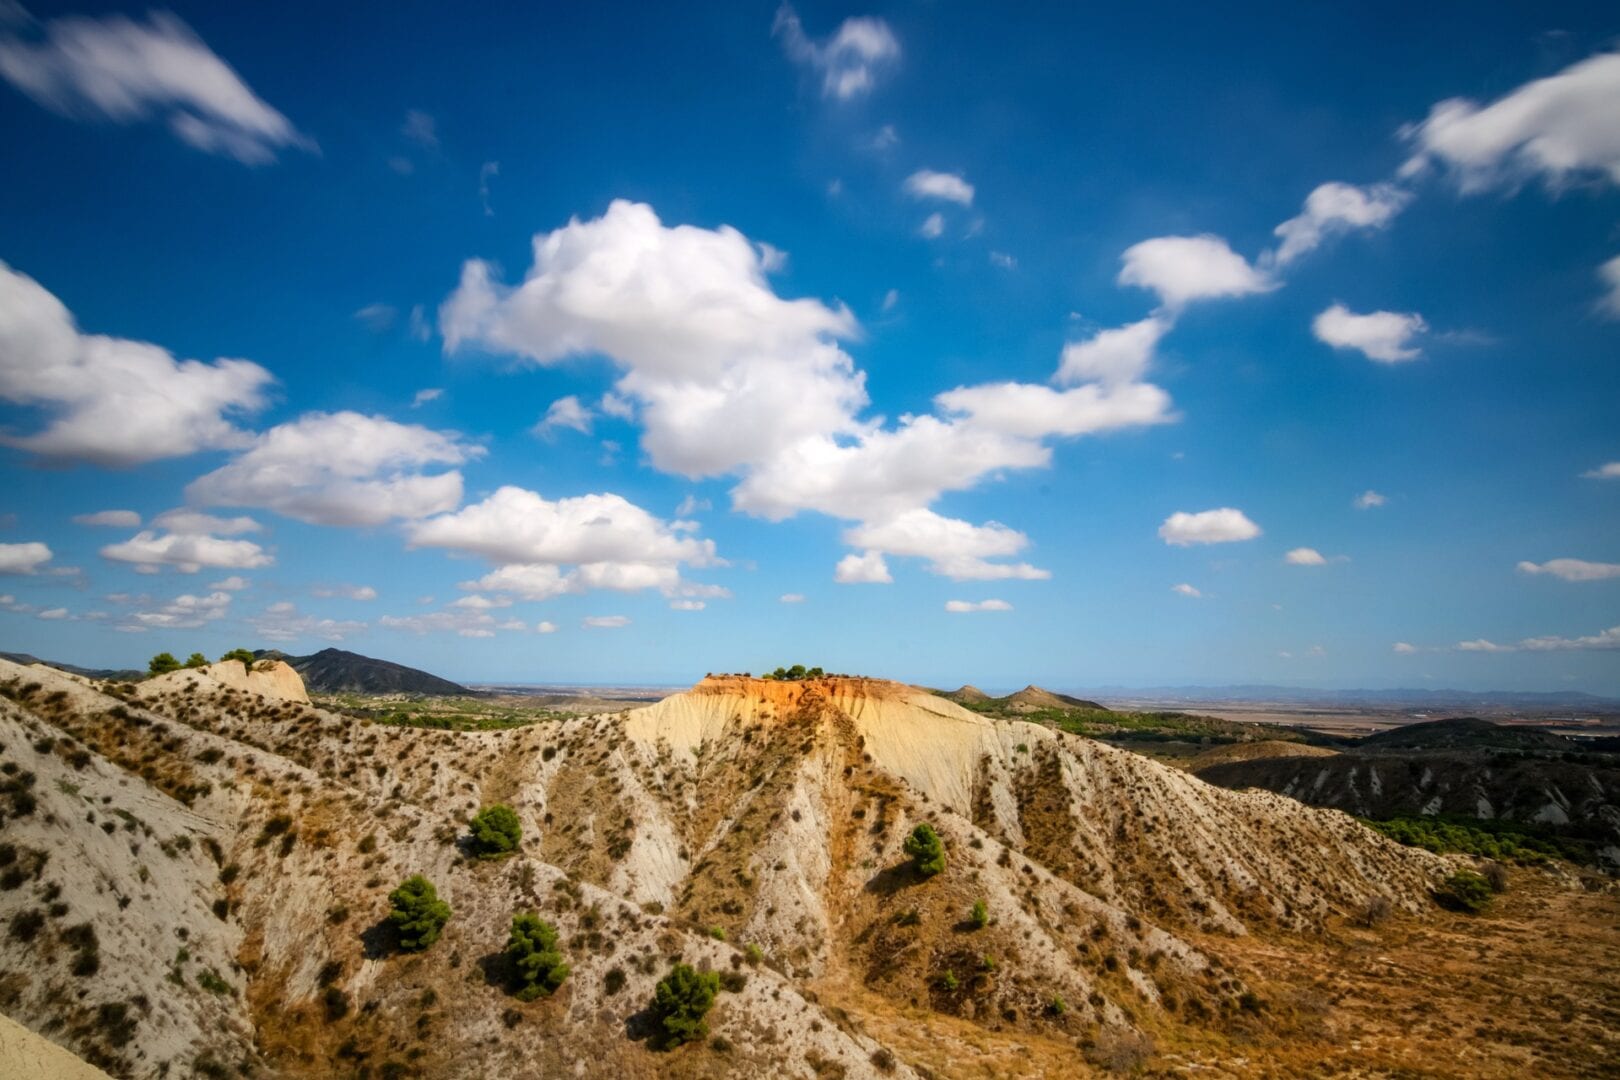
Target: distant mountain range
335,671
1260,692
90,673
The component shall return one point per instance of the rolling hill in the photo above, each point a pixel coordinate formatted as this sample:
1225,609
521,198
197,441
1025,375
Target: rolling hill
225,857
336,671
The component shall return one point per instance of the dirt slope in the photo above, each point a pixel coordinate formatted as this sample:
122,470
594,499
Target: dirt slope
1122,895
1255,751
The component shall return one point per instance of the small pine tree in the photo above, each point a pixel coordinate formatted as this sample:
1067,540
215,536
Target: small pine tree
980,915
417,913
162,664
196,660
680,1002
926,849
496,832
537,963
1464,891
239,654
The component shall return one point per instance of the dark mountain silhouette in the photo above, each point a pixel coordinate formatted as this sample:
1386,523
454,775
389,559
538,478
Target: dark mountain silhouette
336,671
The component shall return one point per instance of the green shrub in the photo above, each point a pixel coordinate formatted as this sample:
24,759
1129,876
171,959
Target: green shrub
753,954
1057,1006
926,849
196,660
162,664
680,1002
239,654
496,832
417,913
1464,891
537,964
948,981
980,915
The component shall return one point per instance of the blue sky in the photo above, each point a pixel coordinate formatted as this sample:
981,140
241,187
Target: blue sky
1134,346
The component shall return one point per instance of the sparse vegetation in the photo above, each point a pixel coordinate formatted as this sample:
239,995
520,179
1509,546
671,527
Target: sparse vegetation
681,1000
1484,838
796,673
496,832
417,913
926,849
1464,891
244,655
979,917
537,964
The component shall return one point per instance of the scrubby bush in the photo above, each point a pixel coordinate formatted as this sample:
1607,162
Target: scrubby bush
496,832
239,654
680,1002
537,963
1464,891
417,913
795,673
1496,875
196,660
162,664
1377,910
336,1002
980,915
926,849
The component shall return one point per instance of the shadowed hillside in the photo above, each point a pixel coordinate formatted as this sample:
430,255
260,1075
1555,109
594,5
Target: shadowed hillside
335,671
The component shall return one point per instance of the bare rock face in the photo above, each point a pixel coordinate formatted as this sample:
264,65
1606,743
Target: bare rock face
25,1054
274,679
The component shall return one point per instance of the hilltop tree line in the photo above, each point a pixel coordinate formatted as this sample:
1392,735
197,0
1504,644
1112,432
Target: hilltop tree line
163,662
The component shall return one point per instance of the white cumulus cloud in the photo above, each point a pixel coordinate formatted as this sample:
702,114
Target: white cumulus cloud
341,468
1369,499
1572,569
1304,556
1186,268
963,606
1558,128
1385,336
1608,471
23,558
187,552
565,412
1335,208
1220,526
605,622
543,548
1113,357
949,187
955,549
864,569
848,61
112,401
728,378
122,70
1186,590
